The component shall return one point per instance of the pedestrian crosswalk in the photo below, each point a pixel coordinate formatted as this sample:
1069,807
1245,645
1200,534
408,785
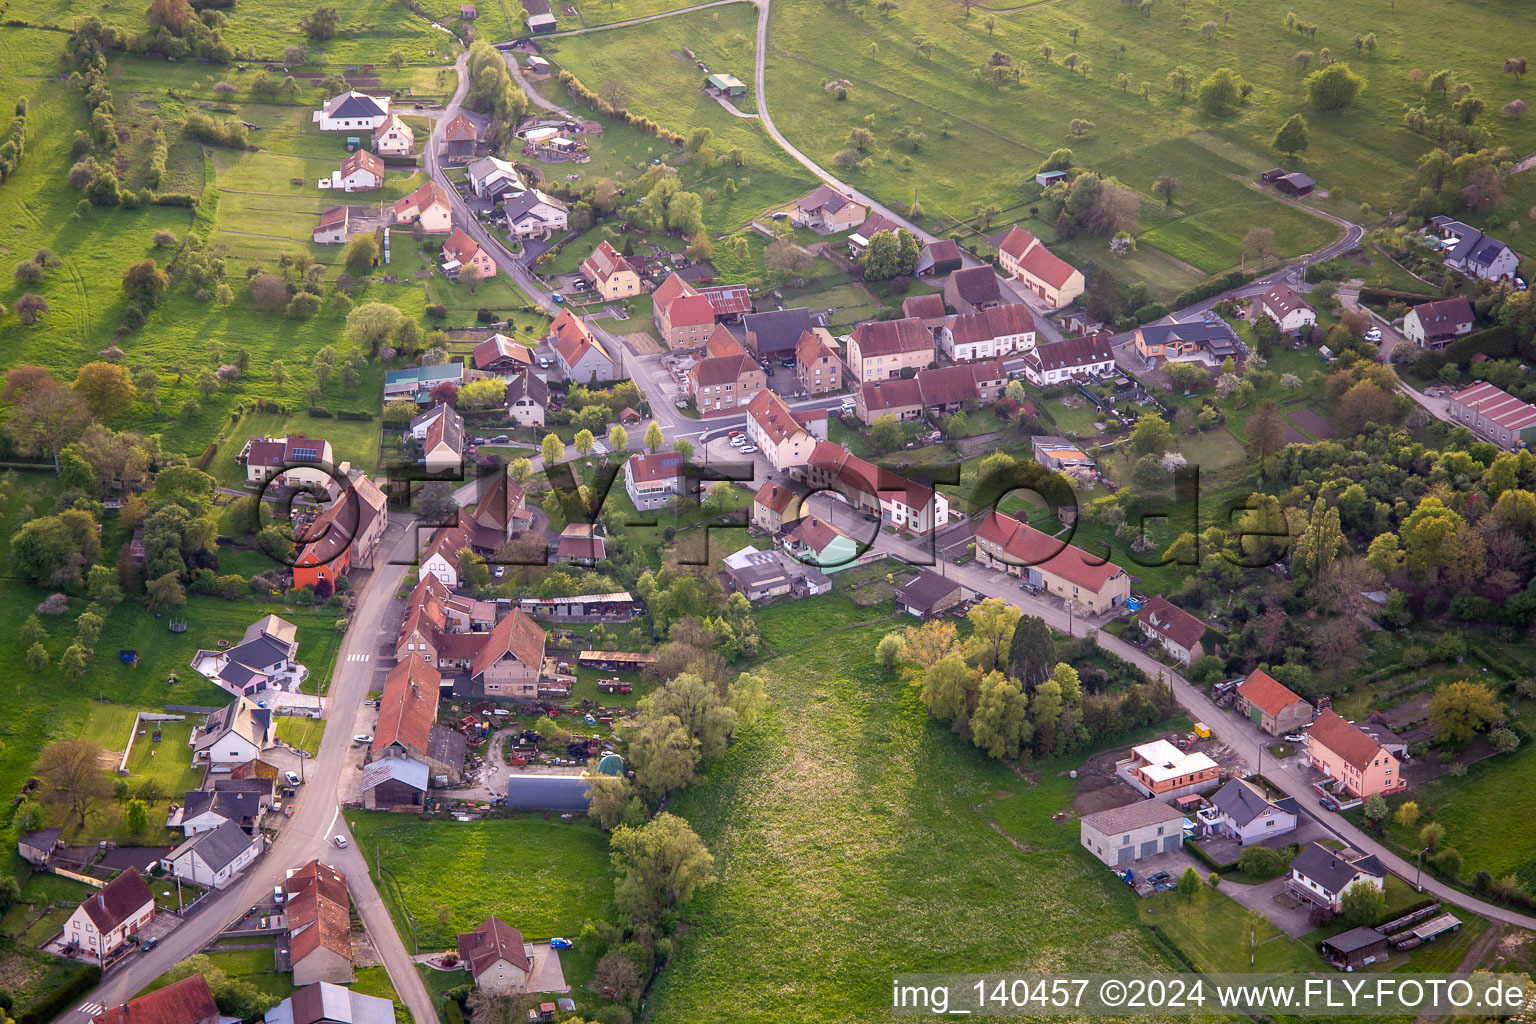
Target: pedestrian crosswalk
359,657
90,1009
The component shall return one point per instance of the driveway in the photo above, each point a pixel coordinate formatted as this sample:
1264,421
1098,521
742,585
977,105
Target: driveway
1294,921
547,975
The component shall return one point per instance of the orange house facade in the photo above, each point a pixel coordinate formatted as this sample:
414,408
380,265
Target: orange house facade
1343,752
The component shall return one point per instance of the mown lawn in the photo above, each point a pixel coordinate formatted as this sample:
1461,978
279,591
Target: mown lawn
1212,930
303,733
848,846
544,876
169,762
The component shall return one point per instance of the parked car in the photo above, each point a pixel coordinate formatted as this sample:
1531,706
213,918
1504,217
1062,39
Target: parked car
500,439
362,737
1374,334
149,944
292,778
559,943
737,441
543,363
736,433
1294,737
1328,804
1161,876
748,449
341,842
499,571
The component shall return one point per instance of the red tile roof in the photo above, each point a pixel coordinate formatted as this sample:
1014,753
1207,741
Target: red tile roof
407,708
1041,263
728,299
119,900
1356,748
994,322
690,310
499,346
429,194
774,497
493,940
319,911
1443,316
187,1001
460,246
1044,552
1167,619
892,337
773,417
573,338
675,286
924,307
654,466
881,395
1267,693
603,263
365,160
461,129
1017,242
517,636
812,347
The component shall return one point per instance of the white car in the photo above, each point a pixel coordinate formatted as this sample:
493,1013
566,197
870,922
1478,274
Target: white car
1374,334
341,842
292,778
362,738
738,441
1294,737
748,449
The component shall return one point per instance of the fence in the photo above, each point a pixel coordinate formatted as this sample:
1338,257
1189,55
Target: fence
133,734
66,873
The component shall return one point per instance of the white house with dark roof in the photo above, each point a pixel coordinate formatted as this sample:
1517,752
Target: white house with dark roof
492,176
827,211
1434,325
352,112
1240,810
1287,309
214,858
234,734
1057,362
1472,252
988,334
1323,876
107,917
532,214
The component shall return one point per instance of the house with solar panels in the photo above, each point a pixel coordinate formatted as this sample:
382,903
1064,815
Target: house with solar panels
292,461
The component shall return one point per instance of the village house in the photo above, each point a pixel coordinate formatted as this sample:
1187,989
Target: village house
214,858
325,1003
582,358
652,480
1021,255
393,137
205,811
1354,759
827,211
937,392
774,333
263,660
1174,628
778,434
883,349
816,542
1270,705
335,226
973,289
1471,252
407,725
102,923
361,171
1434,325
461,138
429,206
1196,341
441,555
817,367
509,663
318,912
767,575
234,734
610,274
527,399
1123,835
581,544
440,434
872,226
493,178
1043,561
1495,415
989,334
461,251
496,957
1287,309
1160,769
1241,811
726,379
441,628
501,356
352,112
1057,362
683,317
346,534
928,594
907,505
294,461
501,513
939,258
535,214
188,1001
770,506
1323,876
929,308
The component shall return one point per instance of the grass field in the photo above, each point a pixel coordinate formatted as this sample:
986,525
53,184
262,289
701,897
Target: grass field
169,761
1211,929
257,966
545,877
303,733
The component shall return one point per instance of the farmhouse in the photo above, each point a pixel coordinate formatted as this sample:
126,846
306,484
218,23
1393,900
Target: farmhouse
905,504
1161,769
1495,415
407,726
581,356
883,349
1021,255
817,367
535,214
827,211
214,858
352,111
1341,751
324,1003
972,289
651,480
393,137
1174,628
346,534
501,356
1196,340
496,957
773,334
928,594
359,172
939,258
1322,876
1434,325
939,391
610,275
989,334
440,432
1270,705
1123,835
1239,810
1287,309
510,661
1064,570
726,379
1057,362
104,921
527,399
777,433
335,226
461,251
429,206
683,317
872,226
492,177
501,512
234,734
188,1001
1473,253
318,912
460,138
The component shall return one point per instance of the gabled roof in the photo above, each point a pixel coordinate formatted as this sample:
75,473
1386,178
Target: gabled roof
825,198
892,337
1040,550
318,912
815,533
604,262
218,848
362,159
774,497
461,129
1333,732
1267,693
517,636
712,371
355,104
499,346
773,417
728,299
231,805
1132,816
777,330
528,385
898,393
1071,353
493,940
812,347
945,250
1497,405
879,483
1045,265
674,287
460,246
1443,316
873,225
948,385
1281,301
924,307
1242,802
651,466
118,901
408,770
1331,872
1197,331
574,339
187,1001
1017,242
993,322
334,215
407,707
977,285
430,194
1167,619
279,629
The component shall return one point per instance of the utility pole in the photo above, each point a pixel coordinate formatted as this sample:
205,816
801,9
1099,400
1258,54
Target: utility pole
1420,872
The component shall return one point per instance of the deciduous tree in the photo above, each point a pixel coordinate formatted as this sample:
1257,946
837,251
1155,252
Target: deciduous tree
71,777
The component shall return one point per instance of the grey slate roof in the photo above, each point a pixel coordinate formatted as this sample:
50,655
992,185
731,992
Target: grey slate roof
1332,872
1241,802
235,806
547,792
528,385
259,653
218,848
926,590
778,330
1355,938
356,104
